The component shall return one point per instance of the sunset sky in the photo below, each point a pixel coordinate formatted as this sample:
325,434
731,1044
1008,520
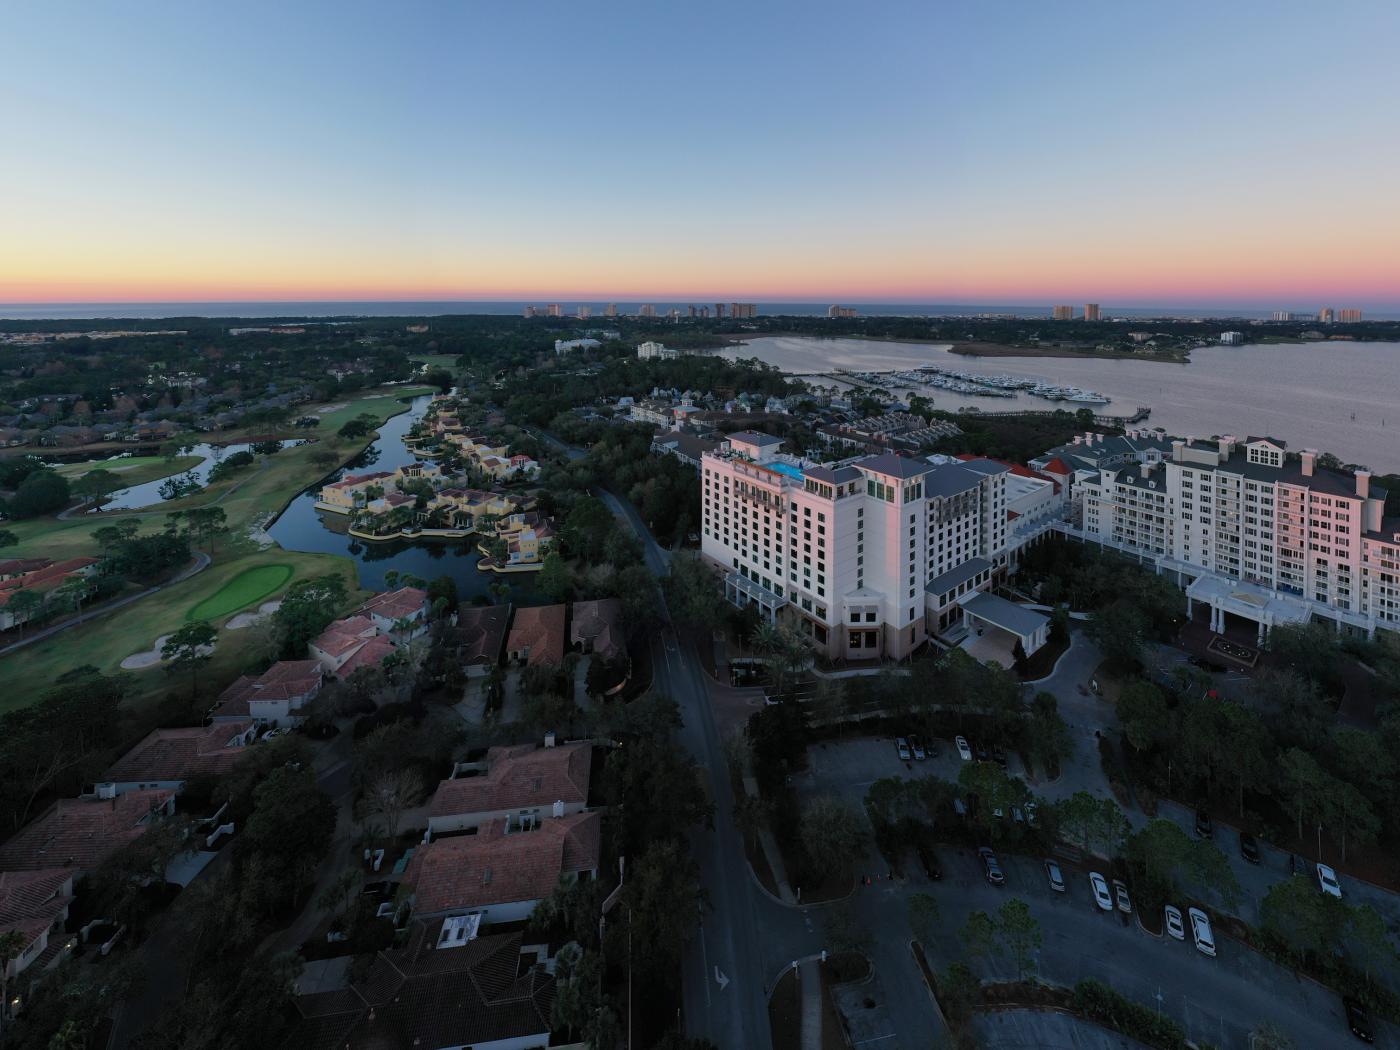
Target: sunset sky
1243,153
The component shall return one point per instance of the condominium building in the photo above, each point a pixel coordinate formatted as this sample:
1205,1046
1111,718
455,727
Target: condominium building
1062,313
650,351
738,310
1255,532
1231,338
1327,315
836,310
611,310
1091,312
554,310
867,557
719,309
585,312
646,310
1349,316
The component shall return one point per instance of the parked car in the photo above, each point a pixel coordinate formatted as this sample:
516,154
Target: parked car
273,734
1200,931
990,867
1359,1021
964,751
929,860
999,755
917,746
1249,849
902,746
1053,876
1120,893
1018,815
1327,881
1030,813
1173,922
1205,827
383,890
1101,894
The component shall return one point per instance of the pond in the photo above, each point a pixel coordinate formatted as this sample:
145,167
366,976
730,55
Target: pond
301,527
148,495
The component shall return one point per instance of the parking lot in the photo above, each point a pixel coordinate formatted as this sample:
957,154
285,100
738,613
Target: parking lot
1219,999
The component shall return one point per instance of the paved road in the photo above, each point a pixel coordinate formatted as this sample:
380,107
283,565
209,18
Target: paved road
201,562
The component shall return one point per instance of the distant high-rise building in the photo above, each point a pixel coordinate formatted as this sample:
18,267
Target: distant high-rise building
1092,313
554,310
840,311
690,310
530,311
1326,315
1231,338
585,312
674,313
1349,316
1284,315
646,310
1062,313
611,311
737,310
704,311
719,310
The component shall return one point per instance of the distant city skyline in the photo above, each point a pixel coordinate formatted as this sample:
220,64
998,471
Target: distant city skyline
905,153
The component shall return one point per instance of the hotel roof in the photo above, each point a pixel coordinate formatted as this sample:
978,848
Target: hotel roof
753,437
888,463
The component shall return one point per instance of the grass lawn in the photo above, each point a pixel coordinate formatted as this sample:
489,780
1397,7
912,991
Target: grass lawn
448,361
108,640
249,586
130,467
248,499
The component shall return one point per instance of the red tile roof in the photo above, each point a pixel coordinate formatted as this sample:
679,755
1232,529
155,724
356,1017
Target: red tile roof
394,605
423,996
30,901
284,680
480,634
1019,469
1057,466
493,867
359,479
597,626
520,777
178,754
373,653
540,629
344,635
81,833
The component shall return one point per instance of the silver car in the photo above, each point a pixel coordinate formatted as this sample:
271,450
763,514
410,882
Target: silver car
1053,876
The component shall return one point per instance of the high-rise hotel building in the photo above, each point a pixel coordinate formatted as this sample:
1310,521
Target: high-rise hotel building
1255,533
866,557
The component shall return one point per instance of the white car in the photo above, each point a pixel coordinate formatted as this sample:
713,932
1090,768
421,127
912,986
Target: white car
902,746
1174,924
1200,931
1101,895
1125,904
1053,876
1327,880
960,742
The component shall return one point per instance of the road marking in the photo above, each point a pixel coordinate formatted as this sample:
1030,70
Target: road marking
720,979
705,958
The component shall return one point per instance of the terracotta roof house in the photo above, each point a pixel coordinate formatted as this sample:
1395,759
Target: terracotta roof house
273,697
373,653
537,635
520,781
80,833
169,757
12,567
597,627
40,581
34,904
480,636
387,609
500,873
446,988
340,641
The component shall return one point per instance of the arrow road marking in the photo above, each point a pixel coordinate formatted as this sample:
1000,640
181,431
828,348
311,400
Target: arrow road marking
721,980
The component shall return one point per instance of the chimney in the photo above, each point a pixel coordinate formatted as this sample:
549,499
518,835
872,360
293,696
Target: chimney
1308,458
1177,446
1363,483
1079,439
1227,444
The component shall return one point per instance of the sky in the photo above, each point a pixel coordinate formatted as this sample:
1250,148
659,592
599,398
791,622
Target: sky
1013,151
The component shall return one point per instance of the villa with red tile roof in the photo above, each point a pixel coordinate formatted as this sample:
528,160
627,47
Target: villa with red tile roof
537,635
388,609
447,987
520,781
169,757
34,904
597,628
273,697
479,637
341,640
502,872
80,833
344,495
41,580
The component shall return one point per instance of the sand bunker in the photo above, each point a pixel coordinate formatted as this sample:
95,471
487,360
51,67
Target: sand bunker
151,657
247,619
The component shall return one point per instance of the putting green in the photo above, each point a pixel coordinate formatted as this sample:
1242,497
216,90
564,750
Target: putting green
247,587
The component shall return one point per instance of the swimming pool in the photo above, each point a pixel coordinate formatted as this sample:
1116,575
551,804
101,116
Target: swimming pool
786,468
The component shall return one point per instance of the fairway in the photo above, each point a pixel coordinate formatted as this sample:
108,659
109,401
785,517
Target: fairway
244,589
